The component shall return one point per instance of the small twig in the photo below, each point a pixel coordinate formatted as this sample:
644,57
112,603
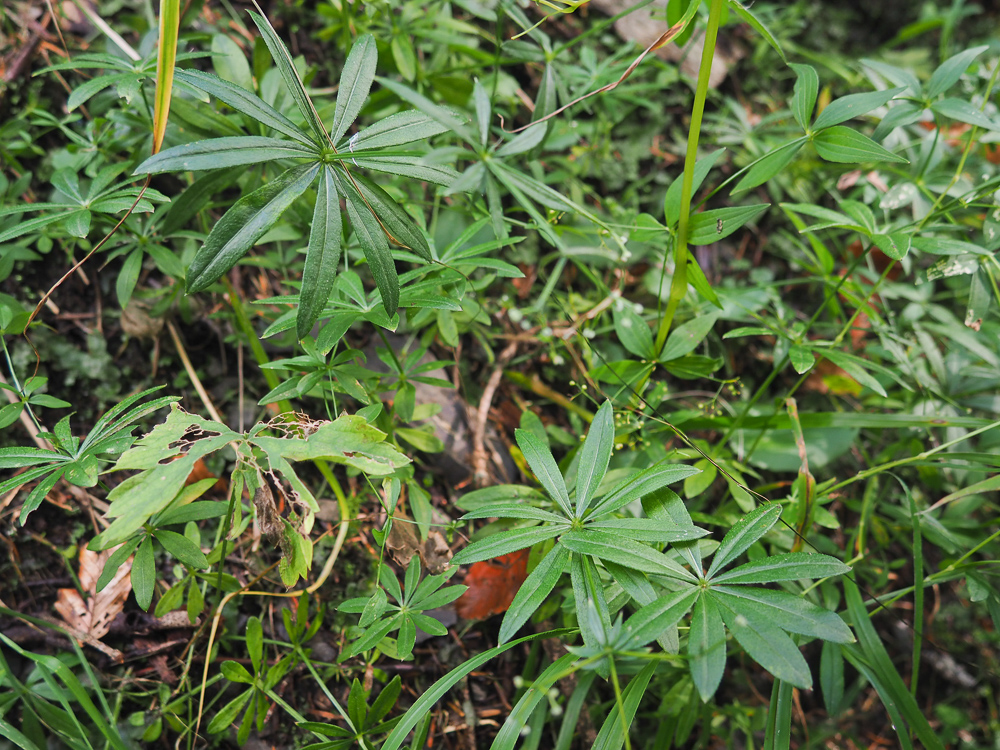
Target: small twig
189,368
480,458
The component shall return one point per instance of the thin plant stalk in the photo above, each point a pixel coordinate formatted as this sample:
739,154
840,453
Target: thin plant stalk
678,285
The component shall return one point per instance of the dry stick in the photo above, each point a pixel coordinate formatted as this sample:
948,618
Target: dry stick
663,39
189,368
480,475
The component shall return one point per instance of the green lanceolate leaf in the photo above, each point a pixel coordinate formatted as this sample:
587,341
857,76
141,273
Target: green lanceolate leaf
506,542
787,611
534,591
220,153
744,533
625,552
144,573
718,223
393,218
706,647
790,566
373,241
672,200
245,223
539,458
594,456
646,481
283,61
397,130
854,105
355,83
804,97
766,644
846,146
322,256
244,102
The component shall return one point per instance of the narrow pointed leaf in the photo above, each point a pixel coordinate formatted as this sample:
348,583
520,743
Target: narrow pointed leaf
767,645
245,223
796,614
539,458
845,146
806,90
625,552
506,542
393,218
744,533
706,647
396,130
322,256
534,591
612,734
220,153
283,62
594,456
854,105
355,83
373,241
646,481
445,117
244,102
654,618
790,566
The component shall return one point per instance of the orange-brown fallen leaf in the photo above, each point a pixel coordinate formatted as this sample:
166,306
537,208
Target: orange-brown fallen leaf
94,616
492,585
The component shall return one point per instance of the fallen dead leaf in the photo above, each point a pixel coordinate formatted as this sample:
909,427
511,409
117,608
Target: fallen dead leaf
492,585
93,617
404,542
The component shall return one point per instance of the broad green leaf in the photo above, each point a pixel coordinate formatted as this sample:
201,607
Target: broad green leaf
396,130
853,105
506,542
236,672
646,481
789,566
244,102
436,691
625,552
182,548
672,200
744,533
802,358
895,245
901,114
322,255
283,62
686,337
404,56
221,153
594,456
539,458
767,645
144,573
245,223
373,241
796,614
846,146
951,70
534,591
706,647
804,97
633,332
128,277
769,165
355,83
716,224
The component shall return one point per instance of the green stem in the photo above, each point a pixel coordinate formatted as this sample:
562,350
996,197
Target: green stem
678,285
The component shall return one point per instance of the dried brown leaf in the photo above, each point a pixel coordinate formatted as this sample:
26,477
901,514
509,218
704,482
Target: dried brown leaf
95,615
